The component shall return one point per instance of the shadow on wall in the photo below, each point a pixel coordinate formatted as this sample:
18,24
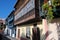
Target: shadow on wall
58,30
58,25
2,37
44,36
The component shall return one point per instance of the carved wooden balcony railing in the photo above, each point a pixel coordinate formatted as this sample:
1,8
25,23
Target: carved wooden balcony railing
29,6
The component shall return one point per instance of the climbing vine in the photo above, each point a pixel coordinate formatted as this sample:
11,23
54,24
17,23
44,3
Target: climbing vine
49,14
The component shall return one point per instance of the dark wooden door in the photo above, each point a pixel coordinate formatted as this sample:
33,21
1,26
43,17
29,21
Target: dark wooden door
18,33
36,34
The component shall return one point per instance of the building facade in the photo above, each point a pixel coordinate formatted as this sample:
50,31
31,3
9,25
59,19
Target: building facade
29,23
10,25
2,26
26,15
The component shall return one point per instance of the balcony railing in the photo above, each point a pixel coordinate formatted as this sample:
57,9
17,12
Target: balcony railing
10,26
10,19
30,5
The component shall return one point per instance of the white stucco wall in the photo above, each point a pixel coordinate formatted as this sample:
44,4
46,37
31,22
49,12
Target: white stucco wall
51,28
53,31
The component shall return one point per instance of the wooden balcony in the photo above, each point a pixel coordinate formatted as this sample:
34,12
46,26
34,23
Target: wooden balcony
29,13
29,6
19,5
26,17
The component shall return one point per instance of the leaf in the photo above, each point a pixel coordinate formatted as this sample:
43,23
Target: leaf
49,15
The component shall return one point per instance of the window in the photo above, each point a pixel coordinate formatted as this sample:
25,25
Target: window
28,32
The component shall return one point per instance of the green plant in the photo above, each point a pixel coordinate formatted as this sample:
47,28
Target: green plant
45,6
55,3
49,15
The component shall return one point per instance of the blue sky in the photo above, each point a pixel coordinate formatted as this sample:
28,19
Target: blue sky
6,6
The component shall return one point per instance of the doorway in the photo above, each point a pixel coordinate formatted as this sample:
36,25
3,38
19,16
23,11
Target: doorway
36,33
18,33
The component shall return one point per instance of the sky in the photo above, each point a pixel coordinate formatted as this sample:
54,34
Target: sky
6,7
